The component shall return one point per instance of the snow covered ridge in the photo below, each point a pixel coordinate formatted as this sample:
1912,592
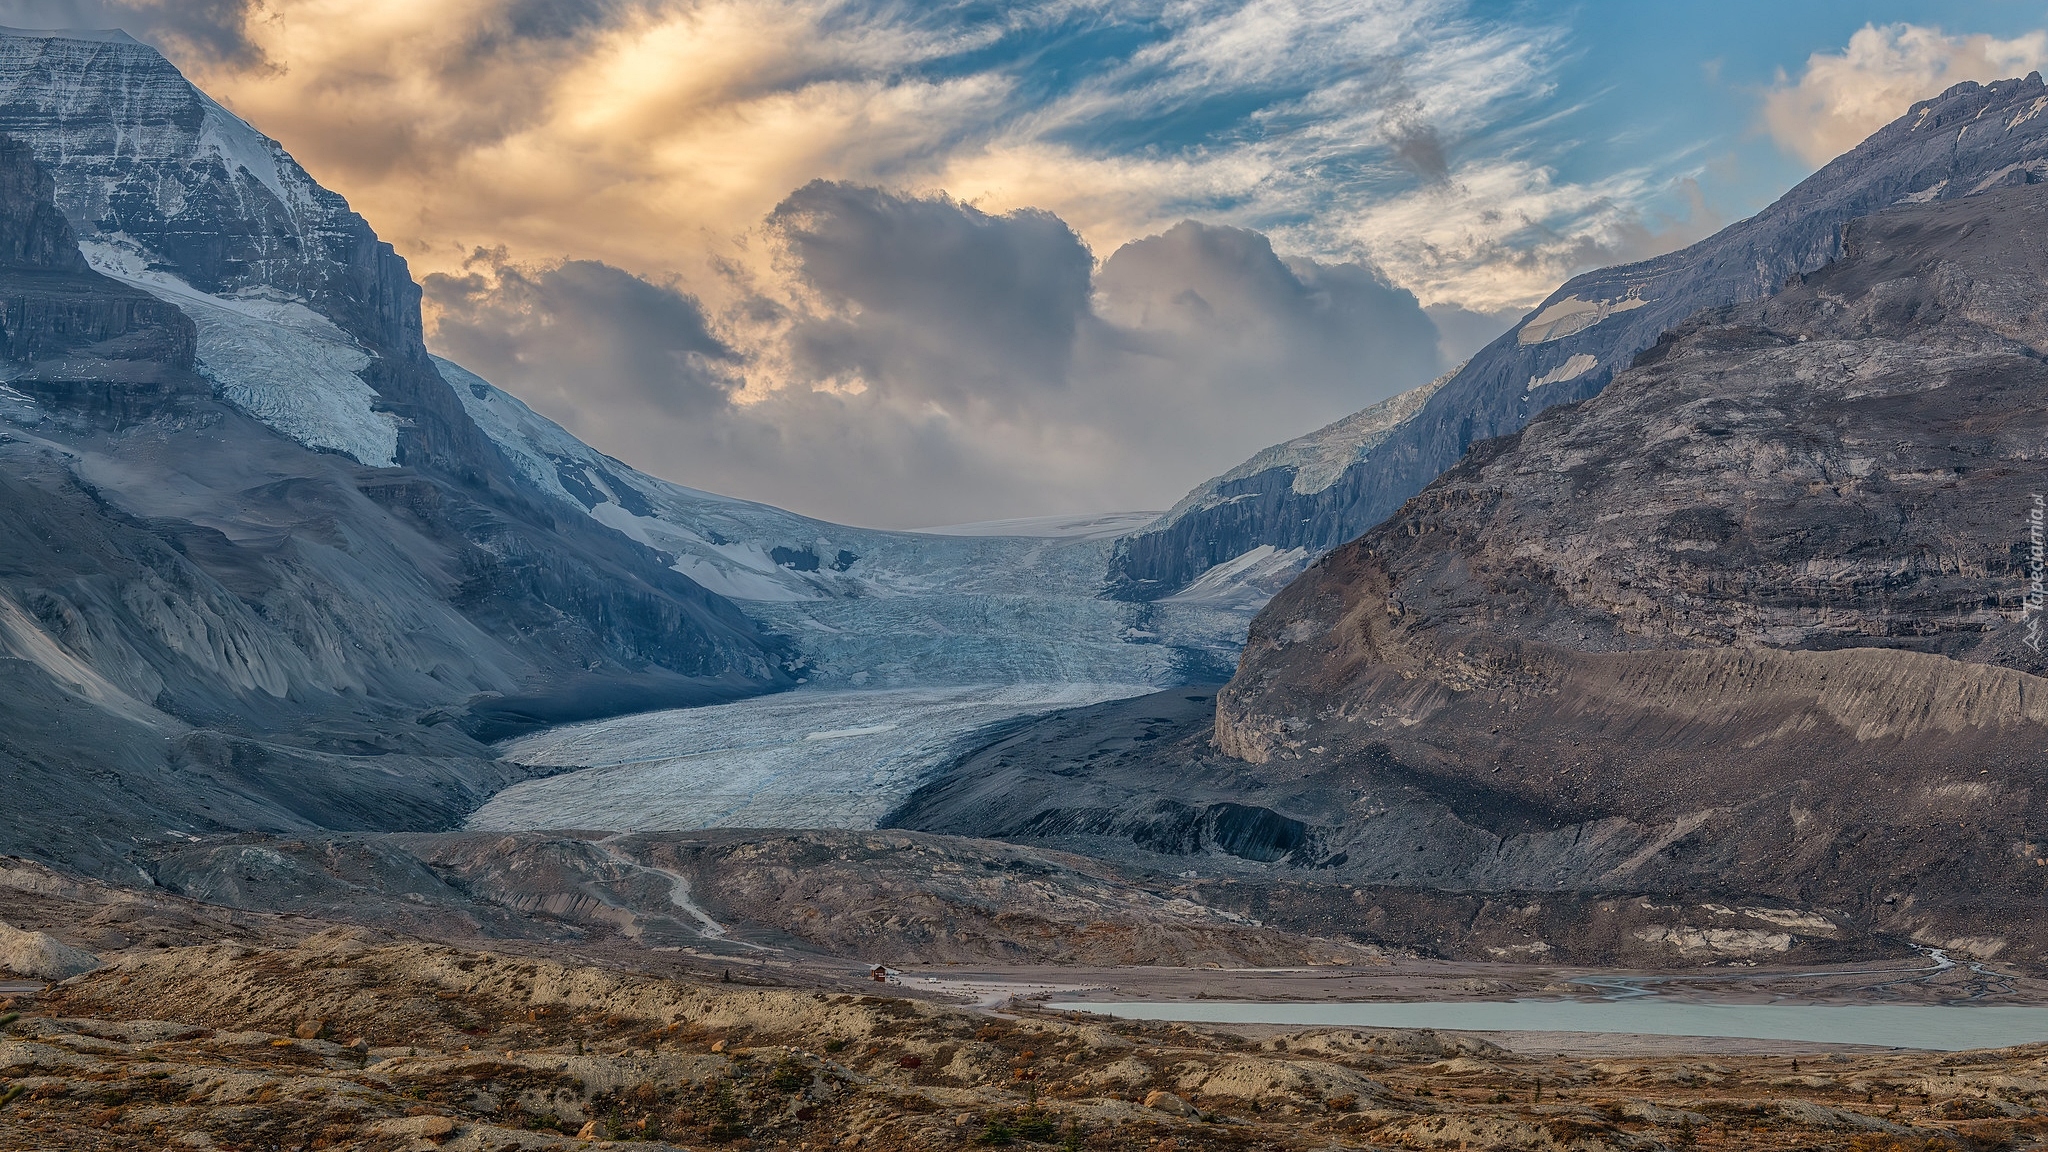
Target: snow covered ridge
1320,458
1006,602
130,140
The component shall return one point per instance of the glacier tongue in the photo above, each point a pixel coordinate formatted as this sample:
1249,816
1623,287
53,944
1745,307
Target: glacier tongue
277,360
799,760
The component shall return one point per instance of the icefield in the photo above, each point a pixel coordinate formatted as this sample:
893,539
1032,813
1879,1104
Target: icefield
806,759
1005,602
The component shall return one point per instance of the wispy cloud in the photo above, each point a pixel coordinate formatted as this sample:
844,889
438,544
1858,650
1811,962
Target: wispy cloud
1842,97
656,134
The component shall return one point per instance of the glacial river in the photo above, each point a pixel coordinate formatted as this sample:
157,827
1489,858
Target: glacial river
1947,1029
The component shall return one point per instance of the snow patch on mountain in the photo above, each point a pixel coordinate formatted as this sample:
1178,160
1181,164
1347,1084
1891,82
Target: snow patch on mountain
278,360
1247,581
1572,315
1571,369
241,147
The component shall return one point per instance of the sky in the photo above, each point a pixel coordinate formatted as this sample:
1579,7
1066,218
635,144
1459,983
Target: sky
911,263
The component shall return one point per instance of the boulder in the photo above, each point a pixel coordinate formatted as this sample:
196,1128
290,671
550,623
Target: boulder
1167,1102
42,956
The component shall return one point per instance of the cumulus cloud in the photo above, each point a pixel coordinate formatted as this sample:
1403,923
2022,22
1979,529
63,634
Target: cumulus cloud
1209,315
583,338
1841,98
918,361
930,297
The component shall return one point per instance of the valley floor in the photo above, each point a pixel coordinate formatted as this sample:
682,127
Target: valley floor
618,1016
287,1037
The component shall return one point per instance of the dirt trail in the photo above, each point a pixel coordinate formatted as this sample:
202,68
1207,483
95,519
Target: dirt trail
678,894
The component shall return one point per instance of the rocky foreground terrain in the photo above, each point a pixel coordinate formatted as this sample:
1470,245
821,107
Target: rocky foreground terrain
286,1037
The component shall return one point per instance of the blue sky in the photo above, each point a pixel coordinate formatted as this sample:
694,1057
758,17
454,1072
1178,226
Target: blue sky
1682,79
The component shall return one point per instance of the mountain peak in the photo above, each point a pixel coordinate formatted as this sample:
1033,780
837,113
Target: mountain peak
1972,139
92,35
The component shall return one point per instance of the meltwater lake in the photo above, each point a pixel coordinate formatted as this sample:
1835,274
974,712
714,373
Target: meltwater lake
1940,1028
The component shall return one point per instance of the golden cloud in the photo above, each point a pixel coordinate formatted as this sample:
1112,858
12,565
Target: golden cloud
1841,98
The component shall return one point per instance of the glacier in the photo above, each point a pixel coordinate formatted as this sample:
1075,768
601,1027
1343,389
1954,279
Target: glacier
806,759
917,642
274,358
1007,602
907,641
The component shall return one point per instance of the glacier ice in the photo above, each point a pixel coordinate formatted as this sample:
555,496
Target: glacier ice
916,641
277,360
807,759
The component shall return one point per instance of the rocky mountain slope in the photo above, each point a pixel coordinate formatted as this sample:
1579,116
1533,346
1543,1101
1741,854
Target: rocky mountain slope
1967,140
258,566
1752,624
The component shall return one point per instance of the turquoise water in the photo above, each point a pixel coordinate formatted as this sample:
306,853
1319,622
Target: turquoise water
1947,1029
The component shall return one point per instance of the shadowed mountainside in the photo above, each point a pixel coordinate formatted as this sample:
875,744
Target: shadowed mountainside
223,606
1749,625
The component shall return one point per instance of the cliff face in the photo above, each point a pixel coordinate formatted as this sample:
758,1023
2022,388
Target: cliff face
72,337
1968,140
1771,583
